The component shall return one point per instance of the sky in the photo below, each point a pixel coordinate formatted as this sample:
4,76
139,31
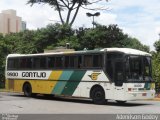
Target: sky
139,19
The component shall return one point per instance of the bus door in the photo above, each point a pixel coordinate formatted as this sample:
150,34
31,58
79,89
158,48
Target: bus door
118,73
118,79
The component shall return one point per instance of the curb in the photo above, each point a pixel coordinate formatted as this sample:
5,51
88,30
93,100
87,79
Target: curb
156,99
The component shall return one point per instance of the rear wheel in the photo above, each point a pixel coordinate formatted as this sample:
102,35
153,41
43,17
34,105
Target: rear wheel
27,89
98,95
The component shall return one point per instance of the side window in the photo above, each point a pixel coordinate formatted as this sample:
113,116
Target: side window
55,62
59,62
97,61
26,63
43,62
66,61
73,61
29,63
13,63
80,64
51,62
10,64
36,64
39,63
22,63
88,61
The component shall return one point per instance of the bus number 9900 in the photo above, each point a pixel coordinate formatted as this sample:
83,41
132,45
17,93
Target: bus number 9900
12,74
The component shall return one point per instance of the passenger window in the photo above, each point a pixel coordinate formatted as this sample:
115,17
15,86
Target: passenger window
73,62
66,61
22,63
29,62
59,62
51,62
97,61
80,65
26,63
13,64
88,61
36,63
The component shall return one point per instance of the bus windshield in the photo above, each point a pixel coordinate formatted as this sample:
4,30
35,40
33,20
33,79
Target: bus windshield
138,68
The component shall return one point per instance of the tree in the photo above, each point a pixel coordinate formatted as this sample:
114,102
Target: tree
135,44
157,45
107,36
72,7
156,61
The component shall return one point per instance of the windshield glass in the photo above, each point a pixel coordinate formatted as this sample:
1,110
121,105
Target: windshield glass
138,68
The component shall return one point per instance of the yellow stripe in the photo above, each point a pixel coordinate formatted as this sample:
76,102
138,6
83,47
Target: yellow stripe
55,75
38,86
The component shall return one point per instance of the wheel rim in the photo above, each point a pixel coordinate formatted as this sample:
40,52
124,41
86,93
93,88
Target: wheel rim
98,95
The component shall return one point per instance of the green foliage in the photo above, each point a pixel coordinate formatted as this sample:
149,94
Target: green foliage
55,35
134,43
157,45
107,36
156,66
156,62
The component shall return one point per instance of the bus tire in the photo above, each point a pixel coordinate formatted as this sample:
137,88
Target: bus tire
120,102
98,95
27,89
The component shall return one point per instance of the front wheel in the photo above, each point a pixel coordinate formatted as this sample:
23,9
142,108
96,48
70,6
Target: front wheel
98,95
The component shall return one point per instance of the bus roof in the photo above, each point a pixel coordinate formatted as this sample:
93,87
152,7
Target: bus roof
127,51
122,50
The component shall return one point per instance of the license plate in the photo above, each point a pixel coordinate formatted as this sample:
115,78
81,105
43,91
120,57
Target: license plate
144,94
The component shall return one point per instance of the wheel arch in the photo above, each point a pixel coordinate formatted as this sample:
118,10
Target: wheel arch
26,82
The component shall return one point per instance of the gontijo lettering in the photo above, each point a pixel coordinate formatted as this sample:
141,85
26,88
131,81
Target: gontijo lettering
34,74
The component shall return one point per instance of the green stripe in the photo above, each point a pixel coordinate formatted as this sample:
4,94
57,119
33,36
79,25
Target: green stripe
61,84
73,82
143,88
147,85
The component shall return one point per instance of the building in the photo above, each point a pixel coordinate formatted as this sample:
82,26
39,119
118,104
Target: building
23,25
10,22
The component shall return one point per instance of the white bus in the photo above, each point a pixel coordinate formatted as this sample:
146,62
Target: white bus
120,74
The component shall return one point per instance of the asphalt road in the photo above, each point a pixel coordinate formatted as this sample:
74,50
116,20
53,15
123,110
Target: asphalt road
16,103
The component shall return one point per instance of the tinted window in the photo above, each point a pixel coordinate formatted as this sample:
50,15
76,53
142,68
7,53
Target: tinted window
88,61
51,62
80,64
73,61
39,63
135,67
13,63
26,63
97,61
66,61
59,62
